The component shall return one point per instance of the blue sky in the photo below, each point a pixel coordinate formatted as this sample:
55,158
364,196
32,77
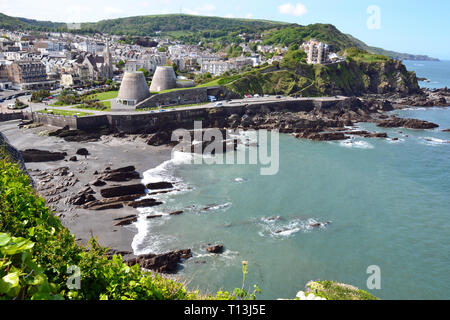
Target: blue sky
412,26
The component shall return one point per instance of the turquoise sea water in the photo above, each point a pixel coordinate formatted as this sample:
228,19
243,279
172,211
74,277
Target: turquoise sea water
388,203
438,72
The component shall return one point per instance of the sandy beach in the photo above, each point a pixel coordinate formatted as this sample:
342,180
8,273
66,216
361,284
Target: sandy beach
108,152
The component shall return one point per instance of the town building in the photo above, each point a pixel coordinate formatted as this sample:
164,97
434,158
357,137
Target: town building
29,75
5,83
133,90
219,67
317,52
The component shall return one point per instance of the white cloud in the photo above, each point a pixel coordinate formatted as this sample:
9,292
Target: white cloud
295,10
207,9
229,16
249,16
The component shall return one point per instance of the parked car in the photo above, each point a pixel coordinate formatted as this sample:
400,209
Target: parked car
12,106
219,104
278,97
256,96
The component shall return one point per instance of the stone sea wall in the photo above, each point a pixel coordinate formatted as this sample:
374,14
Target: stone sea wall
143,122
10,116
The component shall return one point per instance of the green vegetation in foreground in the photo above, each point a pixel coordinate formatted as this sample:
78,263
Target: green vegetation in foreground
338,291
65,112
37,252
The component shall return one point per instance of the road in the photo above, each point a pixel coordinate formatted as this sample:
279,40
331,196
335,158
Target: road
247,101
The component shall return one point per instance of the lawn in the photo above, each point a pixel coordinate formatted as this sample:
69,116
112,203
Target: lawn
58,104
103,96
65,112
107,104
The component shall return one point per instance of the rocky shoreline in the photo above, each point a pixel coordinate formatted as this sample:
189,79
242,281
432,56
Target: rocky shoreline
88,181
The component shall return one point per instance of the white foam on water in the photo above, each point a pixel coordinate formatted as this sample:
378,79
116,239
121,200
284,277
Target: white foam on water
145,242
395,141
226,255
277,228
164,172
218,207
435,141
240,180
357,144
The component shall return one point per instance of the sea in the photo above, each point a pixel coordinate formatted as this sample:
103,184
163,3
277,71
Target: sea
437,72
379,202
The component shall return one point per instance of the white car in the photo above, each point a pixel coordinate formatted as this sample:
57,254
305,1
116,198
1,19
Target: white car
219,104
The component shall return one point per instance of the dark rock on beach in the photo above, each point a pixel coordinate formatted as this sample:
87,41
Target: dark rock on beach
120,176
33,155
81,199
126,222
160,185
97,183
162,263
125,190
82,152
111,201
160,138
144,203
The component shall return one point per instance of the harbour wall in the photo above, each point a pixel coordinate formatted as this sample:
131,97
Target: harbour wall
147,122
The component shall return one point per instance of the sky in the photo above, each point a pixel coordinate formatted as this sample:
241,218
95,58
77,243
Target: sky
410,26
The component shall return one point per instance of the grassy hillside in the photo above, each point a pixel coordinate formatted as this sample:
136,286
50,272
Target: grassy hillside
12,23
298,34
146,25
361,73
216,30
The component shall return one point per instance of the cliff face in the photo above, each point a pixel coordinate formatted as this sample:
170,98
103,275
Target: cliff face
350,78
357,78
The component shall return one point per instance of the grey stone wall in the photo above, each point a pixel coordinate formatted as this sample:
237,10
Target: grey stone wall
145,122
52,120
187,96
11,116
